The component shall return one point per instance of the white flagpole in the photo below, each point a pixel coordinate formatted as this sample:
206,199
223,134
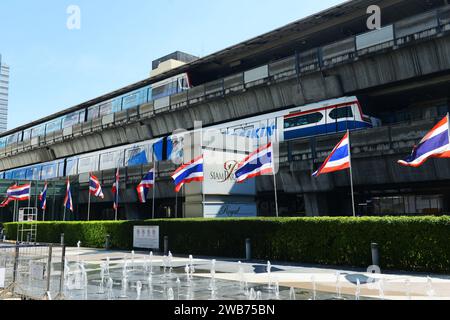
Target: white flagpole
64,218
89,200
29,194
276,193
176,204
154,184
351,174
117,194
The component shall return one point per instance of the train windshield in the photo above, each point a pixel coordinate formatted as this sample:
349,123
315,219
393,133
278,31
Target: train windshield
303,120
341,113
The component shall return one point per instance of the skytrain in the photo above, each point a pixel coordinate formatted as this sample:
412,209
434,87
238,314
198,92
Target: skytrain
132,99
322,118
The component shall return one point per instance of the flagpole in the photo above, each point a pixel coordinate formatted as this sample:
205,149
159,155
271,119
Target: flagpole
89,202
351,174
29,198
117,194
276,193
154,185
64,218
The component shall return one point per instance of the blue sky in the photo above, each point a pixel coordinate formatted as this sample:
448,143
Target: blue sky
53,68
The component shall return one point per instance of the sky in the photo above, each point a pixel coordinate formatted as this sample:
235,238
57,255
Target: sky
54,67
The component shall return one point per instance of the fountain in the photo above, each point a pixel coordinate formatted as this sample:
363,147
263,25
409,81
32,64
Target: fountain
78,250
151,262
408,288
314,287
191,266
84,280
178,282
241,275
188,277
125,269
269,275
277,291
109,287
103,267
259,296
292,295
338,286
358,290
170,261
138,290
212,284
252,294
132,259
246,291
170,295
430,290
123,293
381,288
150,285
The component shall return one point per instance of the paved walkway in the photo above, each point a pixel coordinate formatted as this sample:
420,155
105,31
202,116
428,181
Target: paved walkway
391,286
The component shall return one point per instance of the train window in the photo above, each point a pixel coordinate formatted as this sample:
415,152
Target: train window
11,139
93,113
158,92
49,171
131,100
26,135
53,126
2,142
105,109
340,113
38,131
61,167
303,120
72,167
71,119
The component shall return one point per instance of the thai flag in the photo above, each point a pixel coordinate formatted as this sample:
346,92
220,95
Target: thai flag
187,173
256,164
436,144
147,182
94,187
19,193
339,159
68,198
43,198
5,203
115,190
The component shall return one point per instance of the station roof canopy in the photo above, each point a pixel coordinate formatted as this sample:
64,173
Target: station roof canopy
328,26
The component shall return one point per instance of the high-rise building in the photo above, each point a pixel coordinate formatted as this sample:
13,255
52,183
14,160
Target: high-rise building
4,82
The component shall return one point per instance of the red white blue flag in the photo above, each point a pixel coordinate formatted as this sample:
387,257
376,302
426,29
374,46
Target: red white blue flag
115,191
19,193
187,173
95,188
68,198
5,203
436,144
43,198
146,184
256,164
338,160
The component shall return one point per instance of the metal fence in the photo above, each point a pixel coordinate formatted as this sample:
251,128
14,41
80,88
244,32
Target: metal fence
33,272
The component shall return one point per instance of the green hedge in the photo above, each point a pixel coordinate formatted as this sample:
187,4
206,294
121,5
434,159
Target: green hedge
406,243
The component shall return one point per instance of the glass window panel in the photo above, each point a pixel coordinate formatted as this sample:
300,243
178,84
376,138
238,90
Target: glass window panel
341,113
303,120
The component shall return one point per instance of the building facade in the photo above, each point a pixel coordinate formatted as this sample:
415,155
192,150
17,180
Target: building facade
4,85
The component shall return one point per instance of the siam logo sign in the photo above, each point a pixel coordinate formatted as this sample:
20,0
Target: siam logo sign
220,168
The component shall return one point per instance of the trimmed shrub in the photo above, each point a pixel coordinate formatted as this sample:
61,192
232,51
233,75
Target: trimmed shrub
406,243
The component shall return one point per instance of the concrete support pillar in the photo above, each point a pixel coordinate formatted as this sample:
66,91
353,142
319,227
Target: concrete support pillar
316,204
